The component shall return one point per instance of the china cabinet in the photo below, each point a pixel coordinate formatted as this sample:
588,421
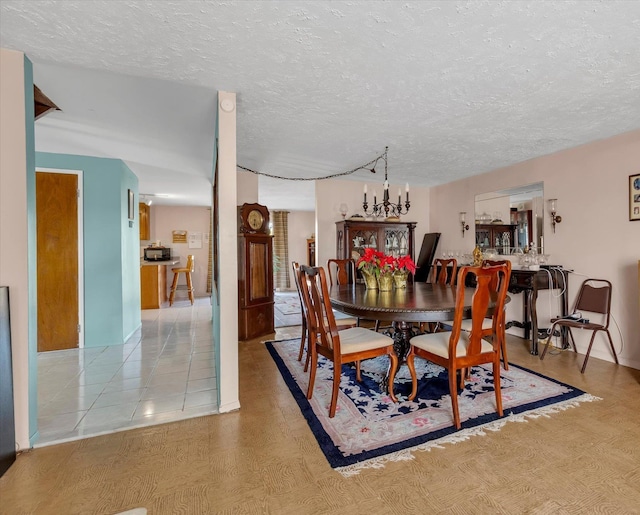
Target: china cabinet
392,238
498,236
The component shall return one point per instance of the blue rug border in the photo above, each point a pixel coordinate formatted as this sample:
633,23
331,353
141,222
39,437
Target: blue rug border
335,457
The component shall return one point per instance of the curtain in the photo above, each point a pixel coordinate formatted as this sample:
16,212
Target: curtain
281,250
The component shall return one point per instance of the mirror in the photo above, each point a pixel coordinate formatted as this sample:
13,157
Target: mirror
510,220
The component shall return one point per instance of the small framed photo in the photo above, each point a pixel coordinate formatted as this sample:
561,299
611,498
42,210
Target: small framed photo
634,197
131,205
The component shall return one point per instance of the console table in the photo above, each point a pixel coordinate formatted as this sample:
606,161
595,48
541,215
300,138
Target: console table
529,282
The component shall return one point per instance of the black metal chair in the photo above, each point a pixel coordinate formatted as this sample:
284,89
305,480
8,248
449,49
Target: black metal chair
594,299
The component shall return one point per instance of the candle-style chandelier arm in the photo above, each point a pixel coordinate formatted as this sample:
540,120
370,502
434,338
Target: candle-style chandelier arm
386,206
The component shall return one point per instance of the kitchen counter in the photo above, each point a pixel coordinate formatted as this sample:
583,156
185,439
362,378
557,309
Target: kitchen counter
153,282
167,262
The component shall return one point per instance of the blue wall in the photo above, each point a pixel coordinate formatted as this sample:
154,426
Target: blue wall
29,113
111,247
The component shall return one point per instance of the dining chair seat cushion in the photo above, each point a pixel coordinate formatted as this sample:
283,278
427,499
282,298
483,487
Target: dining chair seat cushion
487,323
358,339
438,343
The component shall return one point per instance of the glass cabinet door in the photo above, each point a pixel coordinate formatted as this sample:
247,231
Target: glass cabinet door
396,242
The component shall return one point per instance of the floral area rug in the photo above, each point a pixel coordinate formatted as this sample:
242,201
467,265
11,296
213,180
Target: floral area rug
369,429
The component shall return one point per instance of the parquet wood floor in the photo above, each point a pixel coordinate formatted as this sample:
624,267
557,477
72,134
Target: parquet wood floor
264,459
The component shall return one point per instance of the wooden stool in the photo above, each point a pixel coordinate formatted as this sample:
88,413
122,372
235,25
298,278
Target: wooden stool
187,272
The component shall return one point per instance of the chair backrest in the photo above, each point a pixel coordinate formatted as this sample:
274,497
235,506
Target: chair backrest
296,277
495,283
321,321
191,262
341,271
491,292
594,296
441,271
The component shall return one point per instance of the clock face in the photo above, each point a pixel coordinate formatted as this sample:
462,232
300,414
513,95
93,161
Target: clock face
255,219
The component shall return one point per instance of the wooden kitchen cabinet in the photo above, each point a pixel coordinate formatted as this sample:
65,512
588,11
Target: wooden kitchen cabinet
145,221
153,286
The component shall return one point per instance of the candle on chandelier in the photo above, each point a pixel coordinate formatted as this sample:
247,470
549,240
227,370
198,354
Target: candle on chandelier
406,188
399,196
365,192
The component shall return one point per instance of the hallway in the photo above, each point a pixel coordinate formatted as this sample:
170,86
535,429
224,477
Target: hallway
165,372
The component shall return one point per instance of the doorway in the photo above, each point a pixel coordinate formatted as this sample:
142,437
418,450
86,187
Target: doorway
59,259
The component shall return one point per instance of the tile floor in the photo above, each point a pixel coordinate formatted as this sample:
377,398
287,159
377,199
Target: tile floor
165,372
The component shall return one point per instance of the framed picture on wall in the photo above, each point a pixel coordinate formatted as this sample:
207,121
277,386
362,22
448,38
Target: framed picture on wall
634,197
131,204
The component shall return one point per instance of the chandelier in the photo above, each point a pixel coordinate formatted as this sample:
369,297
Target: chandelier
385,208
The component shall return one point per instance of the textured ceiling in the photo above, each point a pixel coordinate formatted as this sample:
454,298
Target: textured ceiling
453,88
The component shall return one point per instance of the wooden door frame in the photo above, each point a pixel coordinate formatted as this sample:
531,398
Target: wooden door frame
78,173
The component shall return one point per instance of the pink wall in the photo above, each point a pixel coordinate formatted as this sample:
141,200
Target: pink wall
302,224
14,251
165,219
595,238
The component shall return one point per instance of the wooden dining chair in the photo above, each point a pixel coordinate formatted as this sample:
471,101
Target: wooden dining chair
343,271
593,300
341,324
487,324
340,347
458,350
303,307
444,272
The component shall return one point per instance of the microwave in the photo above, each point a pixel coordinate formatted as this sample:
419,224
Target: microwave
157,254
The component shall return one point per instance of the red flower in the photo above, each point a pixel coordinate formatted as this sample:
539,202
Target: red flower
406,263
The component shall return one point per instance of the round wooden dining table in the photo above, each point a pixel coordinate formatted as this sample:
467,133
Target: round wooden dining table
418,302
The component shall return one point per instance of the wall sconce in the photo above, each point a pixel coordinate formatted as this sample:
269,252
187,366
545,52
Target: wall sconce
465,226
555,219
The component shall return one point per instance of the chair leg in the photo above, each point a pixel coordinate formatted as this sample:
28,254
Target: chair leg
337,372
615,356
412,373
313,358
586,358
453,391
503,348
544,351
174,285
393,366
496,385
302,338
189,287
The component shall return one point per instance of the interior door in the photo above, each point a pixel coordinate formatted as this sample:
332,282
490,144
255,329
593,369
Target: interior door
57,260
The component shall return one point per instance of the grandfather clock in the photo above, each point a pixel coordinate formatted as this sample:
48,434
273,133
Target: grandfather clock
255,272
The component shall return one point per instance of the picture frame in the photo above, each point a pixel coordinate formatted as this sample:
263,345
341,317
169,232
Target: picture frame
131,201
634,197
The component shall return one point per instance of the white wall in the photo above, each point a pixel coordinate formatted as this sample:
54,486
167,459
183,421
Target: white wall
227,347
165,219
595,238
247,188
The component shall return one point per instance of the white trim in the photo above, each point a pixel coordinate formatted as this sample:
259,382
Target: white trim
79,173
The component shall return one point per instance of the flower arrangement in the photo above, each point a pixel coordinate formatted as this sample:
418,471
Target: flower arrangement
377,267
375,262
405,263
378,263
